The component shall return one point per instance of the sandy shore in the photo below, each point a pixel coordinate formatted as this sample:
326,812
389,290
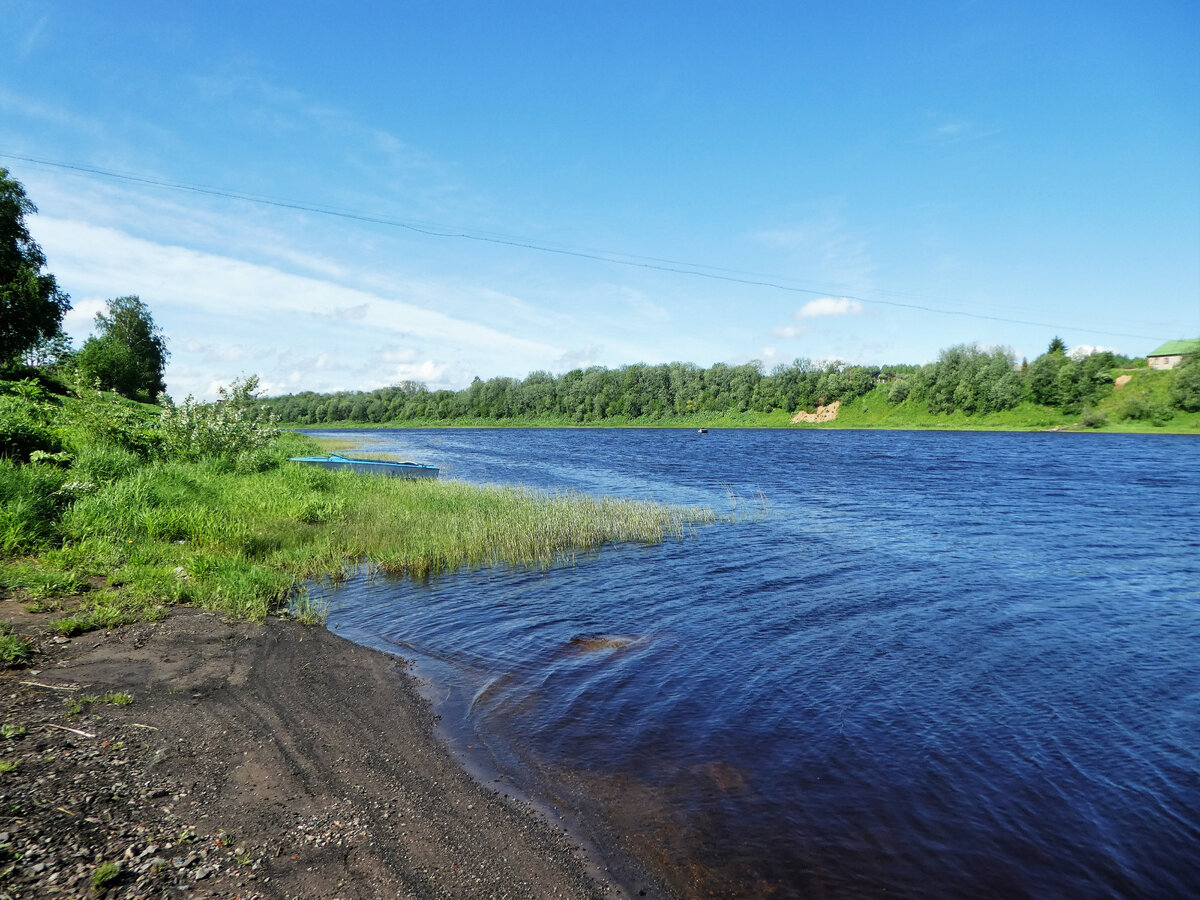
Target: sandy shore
272,761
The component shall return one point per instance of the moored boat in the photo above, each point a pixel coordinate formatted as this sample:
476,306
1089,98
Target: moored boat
369,466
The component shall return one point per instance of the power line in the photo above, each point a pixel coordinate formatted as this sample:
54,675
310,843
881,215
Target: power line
656,264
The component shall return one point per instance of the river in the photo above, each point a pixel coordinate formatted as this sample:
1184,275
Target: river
934,664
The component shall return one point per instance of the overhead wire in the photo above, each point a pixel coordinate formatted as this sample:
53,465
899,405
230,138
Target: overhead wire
676,267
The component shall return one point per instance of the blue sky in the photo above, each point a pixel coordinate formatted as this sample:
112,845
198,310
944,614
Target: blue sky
869,181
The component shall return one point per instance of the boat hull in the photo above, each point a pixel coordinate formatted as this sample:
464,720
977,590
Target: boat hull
383,467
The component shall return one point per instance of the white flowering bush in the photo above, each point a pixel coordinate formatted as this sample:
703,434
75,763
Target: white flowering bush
231,427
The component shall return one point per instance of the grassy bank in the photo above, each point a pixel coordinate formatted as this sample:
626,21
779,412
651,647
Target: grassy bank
110,525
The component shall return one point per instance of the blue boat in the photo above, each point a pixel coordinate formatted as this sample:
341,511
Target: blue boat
369,466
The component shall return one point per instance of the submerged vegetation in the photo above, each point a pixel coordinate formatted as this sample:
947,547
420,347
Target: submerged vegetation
967,386
135,508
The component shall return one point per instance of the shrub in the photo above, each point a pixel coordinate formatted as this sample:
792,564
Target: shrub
898,391
22,432
115,423
1185,389
1144,409
229,428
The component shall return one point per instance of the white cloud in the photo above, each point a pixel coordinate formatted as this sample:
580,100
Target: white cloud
100,258
1080,351
829,306
225,317
81,317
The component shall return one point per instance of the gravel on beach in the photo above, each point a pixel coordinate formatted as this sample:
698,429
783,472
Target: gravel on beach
197,757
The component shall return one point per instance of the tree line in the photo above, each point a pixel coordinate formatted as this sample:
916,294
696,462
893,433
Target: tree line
965,378
128,354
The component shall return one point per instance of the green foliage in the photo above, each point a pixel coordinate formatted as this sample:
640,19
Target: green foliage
129,353
51,352
1145,409
1185,389
24,430
14,649
31,305
229,428
28,414
105,874
972,380
32,498
635,393
1043,378
110,422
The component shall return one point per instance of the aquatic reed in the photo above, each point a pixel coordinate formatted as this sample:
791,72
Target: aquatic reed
202,532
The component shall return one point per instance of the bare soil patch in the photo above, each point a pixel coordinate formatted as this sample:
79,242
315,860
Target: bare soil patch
823,414
203,758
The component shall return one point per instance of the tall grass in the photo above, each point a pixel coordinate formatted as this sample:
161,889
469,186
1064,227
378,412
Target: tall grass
244,538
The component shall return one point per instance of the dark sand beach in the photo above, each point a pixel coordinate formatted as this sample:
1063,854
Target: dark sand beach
254,761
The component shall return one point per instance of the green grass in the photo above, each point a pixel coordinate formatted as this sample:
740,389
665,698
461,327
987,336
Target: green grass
145,532
104,875
14,649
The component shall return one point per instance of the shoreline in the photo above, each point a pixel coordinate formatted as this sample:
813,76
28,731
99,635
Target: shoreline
260,761
1190,429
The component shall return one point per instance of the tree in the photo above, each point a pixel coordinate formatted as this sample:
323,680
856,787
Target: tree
1185,390
31,305
129,353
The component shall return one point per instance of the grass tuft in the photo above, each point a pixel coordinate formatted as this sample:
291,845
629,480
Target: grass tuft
14,650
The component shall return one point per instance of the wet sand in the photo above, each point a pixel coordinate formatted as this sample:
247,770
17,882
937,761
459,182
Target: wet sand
253,761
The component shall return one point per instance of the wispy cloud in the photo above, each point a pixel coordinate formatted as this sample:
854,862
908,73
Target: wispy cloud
953,129
33,37
225,314
829,306
826,254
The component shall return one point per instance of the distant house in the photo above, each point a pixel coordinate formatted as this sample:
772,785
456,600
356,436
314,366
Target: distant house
1171,354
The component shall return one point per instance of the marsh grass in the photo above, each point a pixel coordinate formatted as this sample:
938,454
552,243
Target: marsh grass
148,532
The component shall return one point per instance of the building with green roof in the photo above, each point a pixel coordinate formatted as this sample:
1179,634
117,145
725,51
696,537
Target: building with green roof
1171,354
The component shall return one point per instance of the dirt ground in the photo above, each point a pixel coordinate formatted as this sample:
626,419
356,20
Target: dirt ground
202,758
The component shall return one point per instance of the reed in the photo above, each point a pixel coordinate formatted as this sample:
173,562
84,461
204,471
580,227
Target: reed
204,532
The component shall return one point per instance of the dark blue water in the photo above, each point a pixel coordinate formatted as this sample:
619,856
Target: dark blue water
919,664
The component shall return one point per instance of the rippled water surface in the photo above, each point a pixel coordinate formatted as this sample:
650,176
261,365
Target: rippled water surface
920,664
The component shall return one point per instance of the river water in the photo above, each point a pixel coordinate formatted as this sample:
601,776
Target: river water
915,664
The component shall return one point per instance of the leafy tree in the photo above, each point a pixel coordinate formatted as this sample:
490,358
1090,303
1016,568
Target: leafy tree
1044,385
972,380
31,305
1185,389
129,354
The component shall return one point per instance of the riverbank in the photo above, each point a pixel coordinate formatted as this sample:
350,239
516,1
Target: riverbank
258,761
1140,407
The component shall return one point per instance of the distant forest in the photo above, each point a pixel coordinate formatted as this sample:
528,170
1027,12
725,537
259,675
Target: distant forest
966,378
